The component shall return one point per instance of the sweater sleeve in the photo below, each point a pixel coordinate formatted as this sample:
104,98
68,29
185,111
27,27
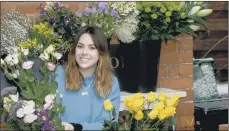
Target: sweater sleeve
60,81
114,96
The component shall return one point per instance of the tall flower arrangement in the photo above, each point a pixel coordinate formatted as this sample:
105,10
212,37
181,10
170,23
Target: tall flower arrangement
32,104
100,14
143,113
61,19
165,20
14,28
127,25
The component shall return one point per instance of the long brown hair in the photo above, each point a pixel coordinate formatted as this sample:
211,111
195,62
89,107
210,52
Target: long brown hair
103,74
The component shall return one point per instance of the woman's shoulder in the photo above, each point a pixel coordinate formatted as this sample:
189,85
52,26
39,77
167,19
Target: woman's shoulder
115,84
59,69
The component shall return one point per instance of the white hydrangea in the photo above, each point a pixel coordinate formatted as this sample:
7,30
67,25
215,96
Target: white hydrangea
128,24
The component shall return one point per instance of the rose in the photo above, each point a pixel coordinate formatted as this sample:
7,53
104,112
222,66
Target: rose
27,65
20,113
30,118
139,115
44,56
49,98
108,105
58,55
51,66
28,109
137,104
25,51
14,97
30,103
151,97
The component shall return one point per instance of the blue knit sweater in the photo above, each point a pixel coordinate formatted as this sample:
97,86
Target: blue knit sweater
87,110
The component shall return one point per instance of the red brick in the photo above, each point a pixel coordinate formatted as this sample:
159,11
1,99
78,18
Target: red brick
169,58
8,5
162,71
75,6
158,82
171,45
186,57
189,97
185,109
177,83
184,122
185,43
28,7
185,69
173,70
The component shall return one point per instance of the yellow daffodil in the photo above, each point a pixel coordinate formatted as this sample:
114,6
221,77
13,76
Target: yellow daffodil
153,114
151,97
108,105
159,106
162,97
139,115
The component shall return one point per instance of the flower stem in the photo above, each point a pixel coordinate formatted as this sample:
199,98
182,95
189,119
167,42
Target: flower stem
144,122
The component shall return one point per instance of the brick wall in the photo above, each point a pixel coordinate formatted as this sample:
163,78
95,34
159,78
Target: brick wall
176,67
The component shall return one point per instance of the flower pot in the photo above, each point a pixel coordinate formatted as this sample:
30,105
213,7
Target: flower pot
136,65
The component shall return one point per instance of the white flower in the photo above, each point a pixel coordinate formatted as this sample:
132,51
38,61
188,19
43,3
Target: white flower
2,62
51,66
48,106
83,24
28,109
14,97
194,10
44,56
194,27
20,112
58,55
190,20
30,103
25,51
7,107
8,59
49,98
29,118
6,100
27,64
204,12
50,49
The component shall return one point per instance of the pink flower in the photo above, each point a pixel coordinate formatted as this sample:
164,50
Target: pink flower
51,66
27,65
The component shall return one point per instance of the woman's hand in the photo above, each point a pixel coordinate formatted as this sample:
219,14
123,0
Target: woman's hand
68,126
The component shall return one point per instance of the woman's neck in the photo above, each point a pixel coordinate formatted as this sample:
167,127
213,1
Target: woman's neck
87,72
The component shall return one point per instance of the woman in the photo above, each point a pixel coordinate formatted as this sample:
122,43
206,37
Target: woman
86,81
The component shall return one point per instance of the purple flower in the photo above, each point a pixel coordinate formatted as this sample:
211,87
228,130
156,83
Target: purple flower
56,6
78,14
51,20
106,11
87,12
103,5
67,20
93,10
100,10
115,14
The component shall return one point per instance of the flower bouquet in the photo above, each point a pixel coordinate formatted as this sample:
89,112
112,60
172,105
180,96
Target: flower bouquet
166,20
33,103
100,14
60,19
151,113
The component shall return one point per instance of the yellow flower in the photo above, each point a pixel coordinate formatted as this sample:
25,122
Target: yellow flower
137,104
167,19
159,106
162,115
170,102
138,96
128,101
147,9
154,16
108,105
151,97
168,13
182,15
162,97
139,115
163,9
175,96
153,114
170,111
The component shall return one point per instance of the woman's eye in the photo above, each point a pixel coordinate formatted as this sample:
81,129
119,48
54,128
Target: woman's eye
92,48
79,46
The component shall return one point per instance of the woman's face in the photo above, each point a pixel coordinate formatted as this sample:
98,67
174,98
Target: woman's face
86,53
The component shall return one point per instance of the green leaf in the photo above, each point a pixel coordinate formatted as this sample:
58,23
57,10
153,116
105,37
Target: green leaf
115,126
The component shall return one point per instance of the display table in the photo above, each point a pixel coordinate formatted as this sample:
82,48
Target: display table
169,92
210,114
